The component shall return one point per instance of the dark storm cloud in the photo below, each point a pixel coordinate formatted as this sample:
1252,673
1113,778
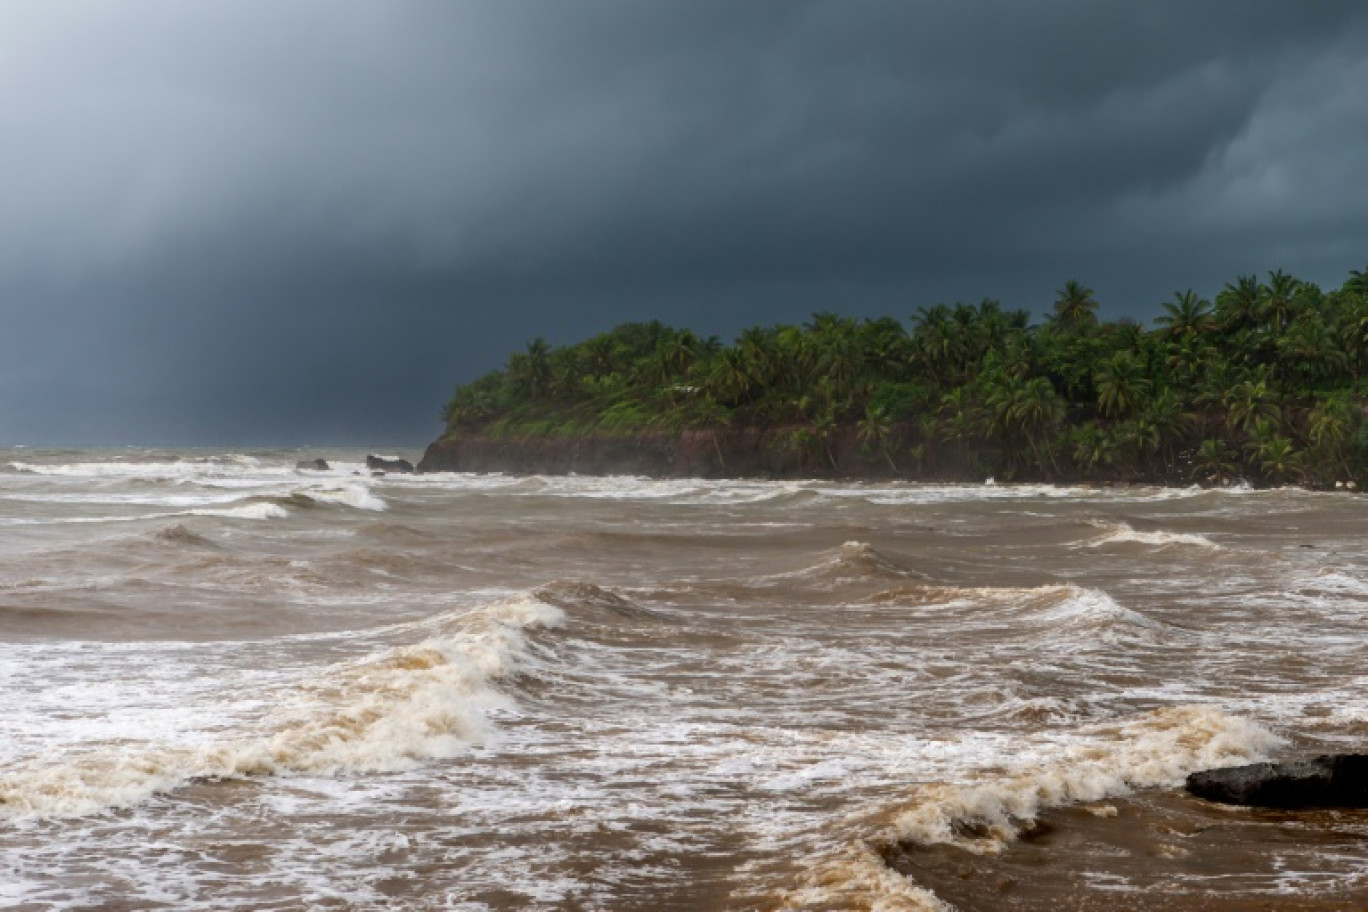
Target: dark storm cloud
295,221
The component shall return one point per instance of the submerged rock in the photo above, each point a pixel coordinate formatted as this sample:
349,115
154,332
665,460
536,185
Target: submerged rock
320,465
1336,780
377,463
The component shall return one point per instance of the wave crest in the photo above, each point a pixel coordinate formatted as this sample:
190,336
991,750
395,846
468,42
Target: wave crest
385,711
580,598
1159,748
853,561
1121,533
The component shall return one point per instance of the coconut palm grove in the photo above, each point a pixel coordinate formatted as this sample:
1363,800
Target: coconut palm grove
1265,384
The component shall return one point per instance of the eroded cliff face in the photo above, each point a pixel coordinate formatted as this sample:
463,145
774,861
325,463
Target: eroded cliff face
742,453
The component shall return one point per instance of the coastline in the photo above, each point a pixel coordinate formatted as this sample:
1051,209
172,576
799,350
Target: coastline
759,453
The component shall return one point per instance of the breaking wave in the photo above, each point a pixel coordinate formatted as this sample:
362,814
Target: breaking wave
587,601
354,495
1122,533
1041,610
258,510
385,711
1159,748
1156,749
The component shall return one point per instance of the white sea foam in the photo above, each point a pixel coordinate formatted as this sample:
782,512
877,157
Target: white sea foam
215,470
1088,607
1157,749
985,814
383,712
1122,533
350,494
259,510
1049,609
721,713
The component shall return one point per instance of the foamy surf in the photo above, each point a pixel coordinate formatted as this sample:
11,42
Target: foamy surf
1121,533
384,712
1159,748
259,510
1063,613
356,494
736,700
1156,749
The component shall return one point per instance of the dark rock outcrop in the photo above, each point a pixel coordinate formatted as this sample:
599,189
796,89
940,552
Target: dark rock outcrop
317,465
378,464
1332,781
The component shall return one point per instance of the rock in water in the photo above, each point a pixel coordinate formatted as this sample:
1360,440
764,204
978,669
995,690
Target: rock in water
376,463
320,465
1335,780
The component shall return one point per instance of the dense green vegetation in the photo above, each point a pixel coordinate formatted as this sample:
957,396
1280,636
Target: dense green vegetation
1266,383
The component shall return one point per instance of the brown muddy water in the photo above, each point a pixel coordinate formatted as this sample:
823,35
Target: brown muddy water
226,685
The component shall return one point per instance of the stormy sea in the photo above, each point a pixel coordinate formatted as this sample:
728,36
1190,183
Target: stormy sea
227,683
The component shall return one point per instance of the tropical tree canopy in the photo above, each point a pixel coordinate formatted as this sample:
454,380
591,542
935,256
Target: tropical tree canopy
1266,384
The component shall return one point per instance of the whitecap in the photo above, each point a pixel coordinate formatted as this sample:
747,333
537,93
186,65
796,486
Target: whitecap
1122,533
385,711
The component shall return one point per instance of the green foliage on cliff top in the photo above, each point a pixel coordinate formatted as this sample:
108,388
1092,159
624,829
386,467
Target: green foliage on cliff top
1266,383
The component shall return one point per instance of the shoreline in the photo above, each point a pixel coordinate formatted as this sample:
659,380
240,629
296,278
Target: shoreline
766,454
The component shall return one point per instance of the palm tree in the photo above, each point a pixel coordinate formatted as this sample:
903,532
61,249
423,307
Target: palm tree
823,430
1329,427
1094,446
1357,283
1311,349
727,379
533,367
963,419
1187,358
1141,436
1121,384
1249,403
937,342
1188,315
885,347
677,351
1278,459
1239,303
1165,413
1214,463
1075,308
1279,300
1037,409
875,430
759,352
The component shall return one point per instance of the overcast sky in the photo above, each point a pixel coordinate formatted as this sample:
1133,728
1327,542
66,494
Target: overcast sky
303,222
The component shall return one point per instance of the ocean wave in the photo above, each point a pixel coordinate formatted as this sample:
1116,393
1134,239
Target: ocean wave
854,560
256,510
180,534
1121,533
1159,748
583,600
355,494
1047,610
225,467
1076,606
386,711
1334,582
1156,749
